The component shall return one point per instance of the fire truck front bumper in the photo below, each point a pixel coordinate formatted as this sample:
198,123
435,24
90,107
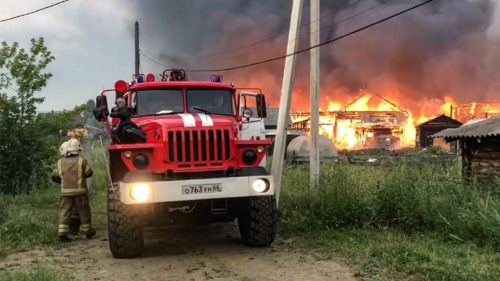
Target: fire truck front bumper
199,189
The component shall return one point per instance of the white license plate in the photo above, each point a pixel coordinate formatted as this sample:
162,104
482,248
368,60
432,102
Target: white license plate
201,189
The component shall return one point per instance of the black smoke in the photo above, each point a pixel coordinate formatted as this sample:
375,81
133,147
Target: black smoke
434,51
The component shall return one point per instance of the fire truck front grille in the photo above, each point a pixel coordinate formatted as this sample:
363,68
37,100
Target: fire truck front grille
199,146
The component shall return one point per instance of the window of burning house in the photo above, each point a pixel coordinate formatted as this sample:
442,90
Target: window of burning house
158,101
214,101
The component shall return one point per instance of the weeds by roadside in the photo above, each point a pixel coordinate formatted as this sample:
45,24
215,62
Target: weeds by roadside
390,254
40,273
29,220
418,219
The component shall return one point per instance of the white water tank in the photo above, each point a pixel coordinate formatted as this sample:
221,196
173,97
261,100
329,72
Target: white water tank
300,149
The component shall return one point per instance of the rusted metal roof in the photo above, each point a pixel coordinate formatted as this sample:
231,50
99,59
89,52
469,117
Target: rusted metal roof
485,128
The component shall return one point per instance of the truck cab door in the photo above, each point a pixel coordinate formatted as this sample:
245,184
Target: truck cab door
253,127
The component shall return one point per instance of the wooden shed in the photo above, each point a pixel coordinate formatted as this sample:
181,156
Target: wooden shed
479,145
433,126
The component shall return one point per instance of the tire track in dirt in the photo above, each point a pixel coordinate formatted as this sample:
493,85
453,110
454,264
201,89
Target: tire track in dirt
207,253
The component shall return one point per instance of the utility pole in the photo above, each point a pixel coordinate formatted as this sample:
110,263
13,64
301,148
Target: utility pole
137,53
314,103
286,97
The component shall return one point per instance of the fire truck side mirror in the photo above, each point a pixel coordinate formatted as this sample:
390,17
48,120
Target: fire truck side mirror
261,106
100,115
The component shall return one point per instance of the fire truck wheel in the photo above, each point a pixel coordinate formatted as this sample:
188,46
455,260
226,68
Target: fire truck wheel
258,221
125,233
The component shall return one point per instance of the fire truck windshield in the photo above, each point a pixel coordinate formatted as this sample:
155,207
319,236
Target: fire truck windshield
210,101
158,101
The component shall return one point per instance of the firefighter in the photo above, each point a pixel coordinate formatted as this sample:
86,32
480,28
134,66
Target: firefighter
218,104
74,225
71,172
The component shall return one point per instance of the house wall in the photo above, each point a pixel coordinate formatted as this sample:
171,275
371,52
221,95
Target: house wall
481,158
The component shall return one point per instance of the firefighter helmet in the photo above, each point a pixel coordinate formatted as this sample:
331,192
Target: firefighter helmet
73,146
64,148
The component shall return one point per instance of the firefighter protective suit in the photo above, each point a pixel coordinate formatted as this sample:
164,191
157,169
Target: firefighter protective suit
71,172
74,224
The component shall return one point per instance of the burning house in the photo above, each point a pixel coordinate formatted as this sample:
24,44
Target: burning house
476,110
369,121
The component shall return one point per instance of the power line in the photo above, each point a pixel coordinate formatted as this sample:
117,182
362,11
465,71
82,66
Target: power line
315,46
154,61
36,11
304,35
274,37
275,46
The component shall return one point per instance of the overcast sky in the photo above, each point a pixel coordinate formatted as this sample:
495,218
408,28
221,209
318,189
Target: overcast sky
92,42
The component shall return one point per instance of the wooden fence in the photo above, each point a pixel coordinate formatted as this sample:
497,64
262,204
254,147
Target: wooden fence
377,160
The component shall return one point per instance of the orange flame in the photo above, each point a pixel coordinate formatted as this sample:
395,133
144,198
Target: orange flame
359,131
367,122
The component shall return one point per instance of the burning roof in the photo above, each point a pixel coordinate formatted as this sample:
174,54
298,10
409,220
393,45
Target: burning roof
365,121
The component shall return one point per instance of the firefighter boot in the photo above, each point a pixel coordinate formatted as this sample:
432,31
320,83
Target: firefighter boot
64,239
91,234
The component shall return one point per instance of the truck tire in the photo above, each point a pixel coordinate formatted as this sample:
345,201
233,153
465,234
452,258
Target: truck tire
125,233
258,221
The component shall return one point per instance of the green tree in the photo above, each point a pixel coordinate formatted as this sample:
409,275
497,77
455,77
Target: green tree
28,141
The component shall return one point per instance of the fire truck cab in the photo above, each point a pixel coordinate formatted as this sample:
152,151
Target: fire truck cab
186,153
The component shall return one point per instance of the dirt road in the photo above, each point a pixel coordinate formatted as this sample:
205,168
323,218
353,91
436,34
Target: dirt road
208,253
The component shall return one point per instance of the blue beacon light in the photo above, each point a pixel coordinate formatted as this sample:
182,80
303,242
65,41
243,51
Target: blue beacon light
217,79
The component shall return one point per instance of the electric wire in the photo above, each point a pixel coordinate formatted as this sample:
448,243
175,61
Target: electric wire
274,37
315,46
35,11
272,47
305,35
154,61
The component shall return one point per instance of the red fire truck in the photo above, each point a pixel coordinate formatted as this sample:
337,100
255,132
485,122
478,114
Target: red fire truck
178,156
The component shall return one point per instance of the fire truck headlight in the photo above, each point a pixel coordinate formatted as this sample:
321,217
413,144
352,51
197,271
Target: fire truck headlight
127,154
249,156
140,192
140,161
260,185
260,149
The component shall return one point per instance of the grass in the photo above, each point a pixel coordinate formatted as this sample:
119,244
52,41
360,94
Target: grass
391,254
28,220
419,220
40,273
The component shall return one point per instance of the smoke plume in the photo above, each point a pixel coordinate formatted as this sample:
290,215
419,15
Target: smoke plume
440,49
